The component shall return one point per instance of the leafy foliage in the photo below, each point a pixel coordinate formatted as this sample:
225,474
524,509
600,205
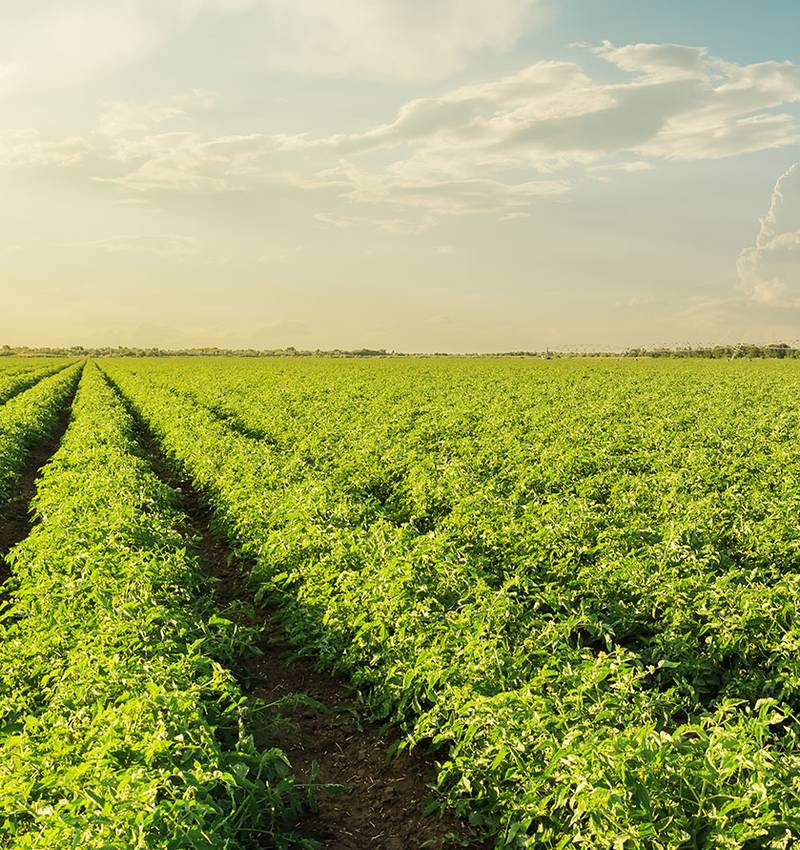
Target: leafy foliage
119,726
17,379
579,579
27,419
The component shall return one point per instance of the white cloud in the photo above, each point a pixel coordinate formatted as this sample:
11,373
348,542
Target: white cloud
168,246
125,117
45,44
171,246
401,39
494,147
27,148
388,225
659,61
187,161
628,166
489,146
48,45
339,222
681,103
441,195
769,270
636,165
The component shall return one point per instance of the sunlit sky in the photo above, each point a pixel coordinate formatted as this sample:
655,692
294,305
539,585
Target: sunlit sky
446,175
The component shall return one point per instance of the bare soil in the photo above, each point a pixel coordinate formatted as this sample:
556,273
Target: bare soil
382,806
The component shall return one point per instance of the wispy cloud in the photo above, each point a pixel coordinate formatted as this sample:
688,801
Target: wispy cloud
124,117
187,161
680,103
659,61
171,246
409,40
494,147
769,270
27,148
46,45
388,225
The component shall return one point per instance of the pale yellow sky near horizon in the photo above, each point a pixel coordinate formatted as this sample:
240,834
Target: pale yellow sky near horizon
451,175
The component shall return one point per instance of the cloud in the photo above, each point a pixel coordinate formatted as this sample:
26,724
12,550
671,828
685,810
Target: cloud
493,147
387,225
636,165
399,39
680,103
49,45
45,44
628,166
187,161
120,118
769,270
170,246
490,146
27,148
659,61
441,195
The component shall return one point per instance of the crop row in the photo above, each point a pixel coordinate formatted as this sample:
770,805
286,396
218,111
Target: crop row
582,581
27,419
12,365
120,727
14,382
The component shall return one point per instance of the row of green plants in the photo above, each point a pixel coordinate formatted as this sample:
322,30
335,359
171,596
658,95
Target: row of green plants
15,381
28,419
121,725
8,365
579,580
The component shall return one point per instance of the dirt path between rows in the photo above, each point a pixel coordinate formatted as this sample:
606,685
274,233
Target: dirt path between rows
383,802
383,806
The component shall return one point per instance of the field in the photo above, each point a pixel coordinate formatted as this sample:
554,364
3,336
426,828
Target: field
563,593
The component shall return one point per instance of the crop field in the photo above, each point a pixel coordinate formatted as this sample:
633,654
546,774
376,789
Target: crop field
560,596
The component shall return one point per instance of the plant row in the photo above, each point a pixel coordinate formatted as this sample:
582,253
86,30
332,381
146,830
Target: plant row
28,419
120,725
579,580
15,381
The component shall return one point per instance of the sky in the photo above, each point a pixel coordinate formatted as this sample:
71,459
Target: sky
415,175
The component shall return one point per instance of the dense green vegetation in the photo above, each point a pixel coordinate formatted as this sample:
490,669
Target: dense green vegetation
119,727
579,578
28,418
15,381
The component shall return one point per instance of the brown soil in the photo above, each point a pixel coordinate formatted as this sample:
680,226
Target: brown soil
383,802
381,806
